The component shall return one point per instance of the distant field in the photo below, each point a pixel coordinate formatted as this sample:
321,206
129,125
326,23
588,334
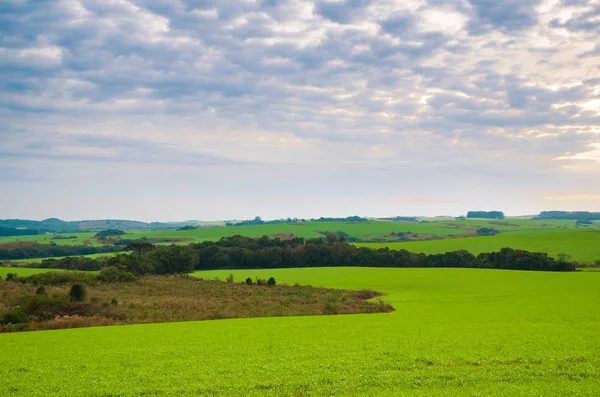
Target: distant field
440,236
38,260
24,272
462,332
583,246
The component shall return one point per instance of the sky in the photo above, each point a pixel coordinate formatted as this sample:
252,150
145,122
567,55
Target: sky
198,109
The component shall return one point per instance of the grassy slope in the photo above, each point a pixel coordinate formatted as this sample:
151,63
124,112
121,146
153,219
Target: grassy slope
455,332
583,246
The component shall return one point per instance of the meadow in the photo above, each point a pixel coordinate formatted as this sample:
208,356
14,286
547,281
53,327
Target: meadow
582,246
454,332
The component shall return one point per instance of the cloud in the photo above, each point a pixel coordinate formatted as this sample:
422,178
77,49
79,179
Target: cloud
508,15
465,89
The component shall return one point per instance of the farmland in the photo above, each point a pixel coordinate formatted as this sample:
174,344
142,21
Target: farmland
583,246
454,331
432,236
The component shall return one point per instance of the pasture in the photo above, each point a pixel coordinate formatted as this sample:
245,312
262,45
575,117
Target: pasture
454,332
583,246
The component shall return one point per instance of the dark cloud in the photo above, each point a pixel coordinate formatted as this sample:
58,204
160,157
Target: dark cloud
341,11
507,15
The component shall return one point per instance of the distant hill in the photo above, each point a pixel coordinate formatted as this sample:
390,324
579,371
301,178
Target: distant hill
570,215
57,225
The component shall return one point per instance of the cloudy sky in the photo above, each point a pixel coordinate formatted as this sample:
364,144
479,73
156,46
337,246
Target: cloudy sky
200,109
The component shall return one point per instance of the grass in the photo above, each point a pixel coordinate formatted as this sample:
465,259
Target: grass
363,230
20,262
454,332
583,246
23,272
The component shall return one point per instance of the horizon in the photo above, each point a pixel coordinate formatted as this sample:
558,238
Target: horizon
141,110
272,219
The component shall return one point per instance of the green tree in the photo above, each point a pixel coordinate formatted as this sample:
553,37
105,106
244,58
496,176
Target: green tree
78,293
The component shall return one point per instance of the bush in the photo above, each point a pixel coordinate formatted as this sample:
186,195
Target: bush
229,278
486,231
115,274
41,290
78,293
248,281
271,281
11,277
56,278
14,316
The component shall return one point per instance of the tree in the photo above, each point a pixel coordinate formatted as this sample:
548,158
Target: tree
78,293
331,238
140,247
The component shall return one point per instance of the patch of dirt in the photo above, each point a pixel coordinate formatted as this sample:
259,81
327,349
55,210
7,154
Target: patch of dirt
283,236
500,223
168,240
17,244
106,240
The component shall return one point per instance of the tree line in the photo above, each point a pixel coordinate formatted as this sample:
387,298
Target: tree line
582,216
13,231
486,214
238,252
50,250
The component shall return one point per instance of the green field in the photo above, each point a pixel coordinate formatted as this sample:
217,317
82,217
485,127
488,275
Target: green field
20,262
23,272
454,332
554,237
583,246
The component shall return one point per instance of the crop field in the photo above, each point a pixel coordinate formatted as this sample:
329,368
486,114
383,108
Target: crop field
583,246
454,332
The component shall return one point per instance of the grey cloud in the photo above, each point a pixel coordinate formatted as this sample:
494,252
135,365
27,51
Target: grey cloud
340,11
586,21
508,15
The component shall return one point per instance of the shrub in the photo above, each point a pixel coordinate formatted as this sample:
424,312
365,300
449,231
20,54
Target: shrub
41,290
114,302
56,278
14,316
115,274
271,281
486,231
78,293
229,278
11,277
248,281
